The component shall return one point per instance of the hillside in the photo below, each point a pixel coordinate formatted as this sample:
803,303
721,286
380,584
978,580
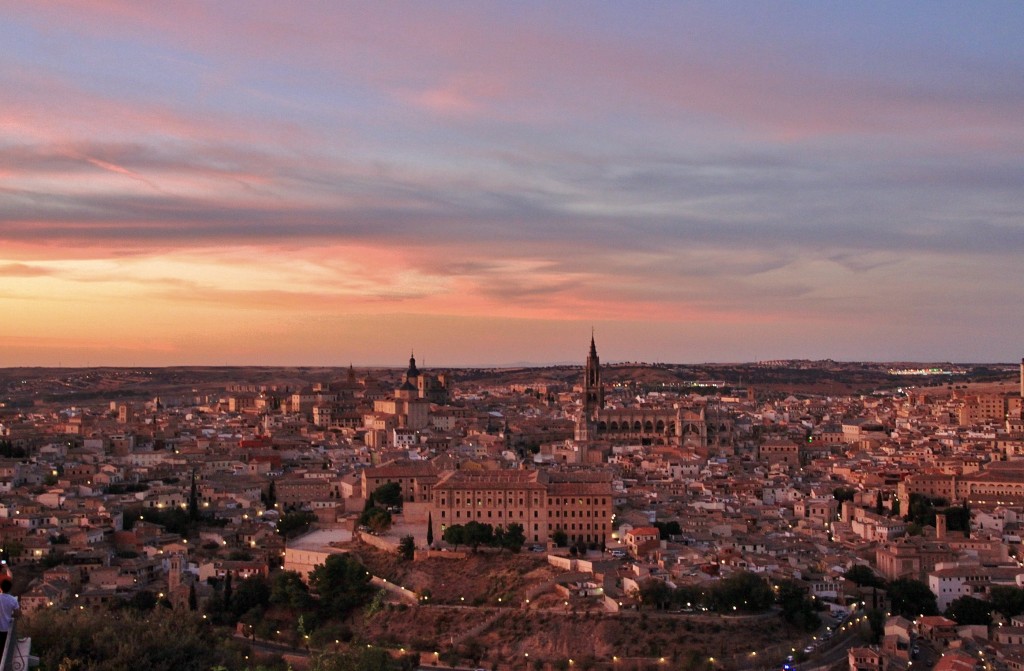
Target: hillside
491,632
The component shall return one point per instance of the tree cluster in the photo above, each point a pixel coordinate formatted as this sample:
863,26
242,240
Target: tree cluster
375,518
122,640
407,548
475,534
174,520
1003,599
9,451
863,576
295,523
667,529
842,494
742,592
285,603
389,495
923,510
911,598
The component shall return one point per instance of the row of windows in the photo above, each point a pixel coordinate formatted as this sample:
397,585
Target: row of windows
490,515
565,502
636,426
494,494
510,501
490,502
572,527
587,538
480,513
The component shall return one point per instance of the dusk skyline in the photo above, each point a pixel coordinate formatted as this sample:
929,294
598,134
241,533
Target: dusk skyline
325,183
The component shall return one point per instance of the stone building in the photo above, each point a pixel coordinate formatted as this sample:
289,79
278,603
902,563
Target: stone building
678,425
579,503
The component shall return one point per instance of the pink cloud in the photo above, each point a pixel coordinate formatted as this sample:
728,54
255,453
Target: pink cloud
23,270
462,62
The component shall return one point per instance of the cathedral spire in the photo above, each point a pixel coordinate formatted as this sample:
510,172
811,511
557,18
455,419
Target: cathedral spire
593,390
413,372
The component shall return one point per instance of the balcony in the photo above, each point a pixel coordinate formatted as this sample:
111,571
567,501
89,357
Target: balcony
16,654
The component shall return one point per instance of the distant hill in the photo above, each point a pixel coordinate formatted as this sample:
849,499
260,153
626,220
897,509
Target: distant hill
27,386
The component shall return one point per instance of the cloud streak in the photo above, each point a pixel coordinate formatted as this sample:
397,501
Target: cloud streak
721,166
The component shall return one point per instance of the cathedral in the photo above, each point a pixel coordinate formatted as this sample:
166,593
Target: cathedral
679,425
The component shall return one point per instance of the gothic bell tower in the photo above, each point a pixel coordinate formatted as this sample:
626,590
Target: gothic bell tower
593,390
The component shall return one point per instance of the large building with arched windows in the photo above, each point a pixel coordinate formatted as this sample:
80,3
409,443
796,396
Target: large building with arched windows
683,426
578,503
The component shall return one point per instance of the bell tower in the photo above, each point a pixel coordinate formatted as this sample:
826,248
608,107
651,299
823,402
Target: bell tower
593,390
174,572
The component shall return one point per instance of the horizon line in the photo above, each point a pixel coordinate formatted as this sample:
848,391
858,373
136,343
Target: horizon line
511,365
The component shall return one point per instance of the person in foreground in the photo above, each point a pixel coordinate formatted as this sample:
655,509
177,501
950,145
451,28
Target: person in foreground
9,609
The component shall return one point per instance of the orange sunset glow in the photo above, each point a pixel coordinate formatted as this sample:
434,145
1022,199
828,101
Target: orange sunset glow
277,184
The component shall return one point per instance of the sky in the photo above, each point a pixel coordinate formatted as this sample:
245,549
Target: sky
326,183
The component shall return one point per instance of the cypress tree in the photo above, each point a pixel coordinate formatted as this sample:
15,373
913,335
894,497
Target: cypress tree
227,591
193,499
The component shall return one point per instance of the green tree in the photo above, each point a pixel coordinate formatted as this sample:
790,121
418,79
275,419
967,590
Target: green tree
173,520
430,530
876,622
455,535
968,610
388,494
863,576
251,618
355,659
13,548
407,548
289,591
745,591
911,598
513,537
143,600
6,449
667,529
228,590
376,519
797,607
269,497
193,499
842,494
295,523
560,538
342,584
1009,601
108,640
655,594
250,593
478,534
922,509
958,518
